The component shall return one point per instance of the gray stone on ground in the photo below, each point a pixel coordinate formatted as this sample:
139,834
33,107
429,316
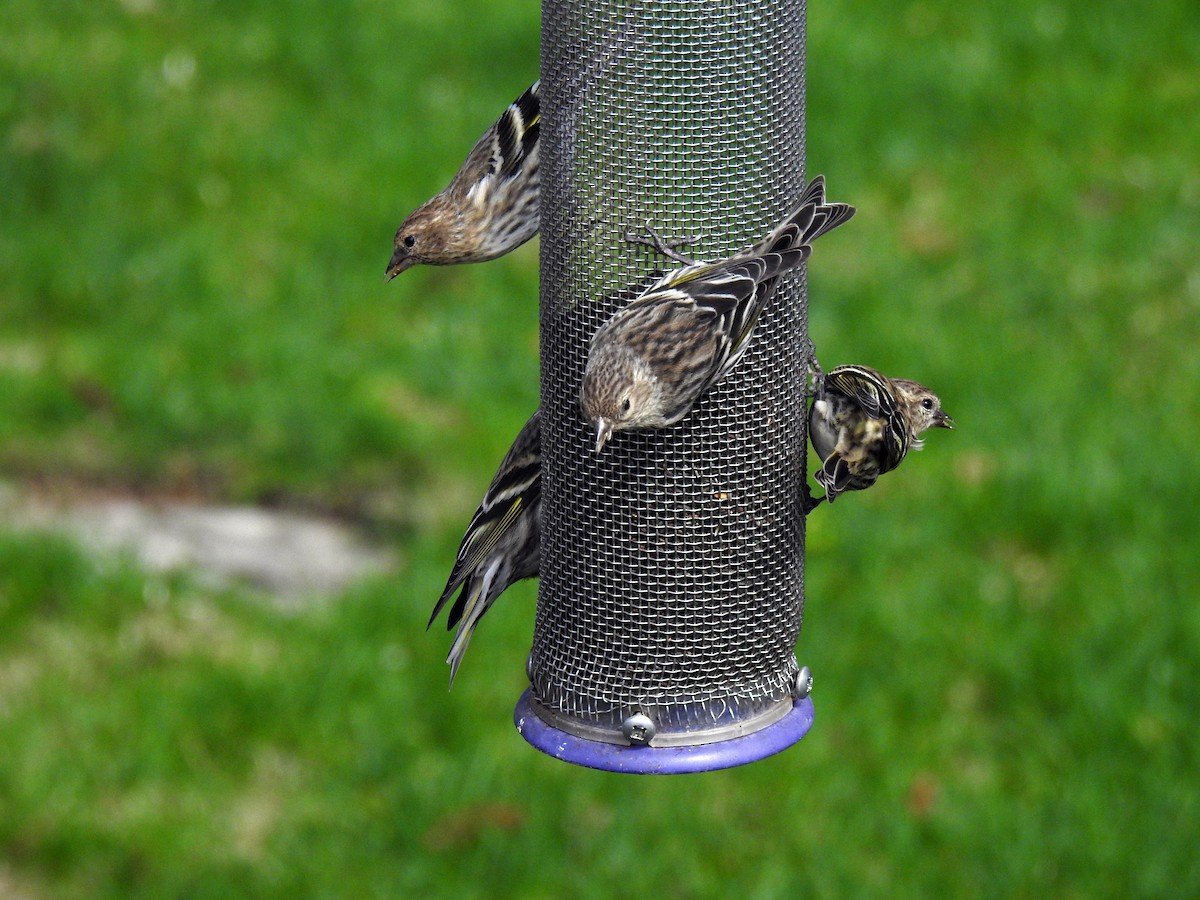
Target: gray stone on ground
292,556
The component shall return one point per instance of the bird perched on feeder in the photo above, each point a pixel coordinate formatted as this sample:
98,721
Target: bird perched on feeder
654,358
502,543
490,206
863,423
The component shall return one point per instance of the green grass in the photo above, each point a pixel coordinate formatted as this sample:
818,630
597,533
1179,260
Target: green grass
196,206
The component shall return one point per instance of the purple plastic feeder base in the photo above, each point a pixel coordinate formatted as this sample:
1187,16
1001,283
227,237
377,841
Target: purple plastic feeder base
663,760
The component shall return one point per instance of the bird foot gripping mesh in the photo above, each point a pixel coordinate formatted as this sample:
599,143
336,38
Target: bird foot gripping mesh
672,565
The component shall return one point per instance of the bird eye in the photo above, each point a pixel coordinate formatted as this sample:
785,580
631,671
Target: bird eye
626,405
409,240
927,403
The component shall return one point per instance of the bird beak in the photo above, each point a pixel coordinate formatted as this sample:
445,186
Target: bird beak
603,432
399,262
944,421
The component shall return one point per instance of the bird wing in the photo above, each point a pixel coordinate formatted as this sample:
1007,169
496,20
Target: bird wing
865,387
517,133
514,492
875,396
733,292
506,147
728,292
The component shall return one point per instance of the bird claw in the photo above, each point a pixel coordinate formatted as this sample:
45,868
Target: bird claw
668,248
807,501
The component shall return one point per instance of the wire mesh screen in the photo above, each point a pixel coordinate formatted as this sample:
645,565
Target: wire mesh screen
672,568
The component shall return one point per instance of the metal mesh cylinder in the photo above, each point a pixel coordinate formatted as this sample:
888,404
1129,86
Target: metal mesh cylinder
672,567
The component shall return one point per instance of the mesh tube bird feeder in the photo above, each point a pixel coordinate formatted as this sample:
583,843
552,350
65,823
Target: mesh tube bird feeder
672,564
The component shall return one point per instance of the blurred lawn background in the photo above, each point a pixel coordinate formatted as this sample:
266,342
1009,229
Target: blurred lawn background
196,205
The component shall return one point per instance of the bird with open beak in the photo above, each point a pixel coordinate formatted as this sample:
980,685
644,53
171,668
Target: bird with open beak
862,424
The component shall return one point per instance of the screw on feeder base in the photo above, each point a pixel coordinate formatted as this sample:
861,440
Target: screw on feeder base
638,729
804,683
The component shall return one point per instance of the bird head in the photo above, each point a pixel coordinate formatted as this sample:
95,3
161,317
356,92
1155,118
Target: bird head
922,407
422,238
619,392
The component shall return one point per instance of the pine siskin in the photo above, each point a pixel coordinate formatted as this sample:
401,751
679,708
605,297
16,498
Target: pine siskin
502,543
490,206
862,424
651,361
